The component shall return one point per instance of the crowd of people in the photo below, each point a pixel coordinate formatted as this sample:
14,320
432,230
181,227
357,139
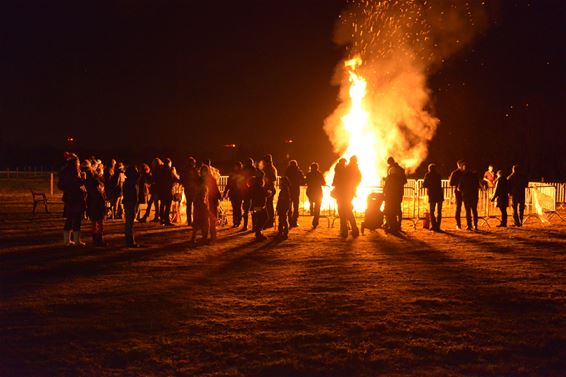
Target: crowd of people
97,191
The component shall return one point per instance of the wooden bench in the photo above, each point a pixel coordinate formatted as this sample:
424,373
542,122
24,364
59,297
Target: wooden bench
38,198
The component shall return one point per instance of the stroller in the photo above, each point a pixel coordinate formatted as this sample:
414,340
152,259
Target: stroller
373,218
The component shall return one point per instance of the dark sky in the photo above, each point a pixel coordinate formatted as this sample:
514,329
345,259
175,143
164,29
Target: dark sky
127,76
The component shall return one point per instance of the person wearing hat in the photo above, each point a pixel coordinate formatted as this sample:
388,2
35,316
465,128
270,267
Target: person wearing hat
393,191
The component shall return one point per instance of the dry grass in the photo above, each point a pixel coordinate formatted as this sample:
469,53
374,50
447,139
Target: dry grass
427,304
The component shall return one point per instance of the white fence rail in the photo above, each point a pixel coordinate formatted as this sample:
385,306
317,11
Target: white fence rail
548,196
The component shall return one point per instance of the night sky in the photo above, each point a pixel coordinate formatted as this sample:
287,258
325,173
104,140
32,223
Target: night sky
137,77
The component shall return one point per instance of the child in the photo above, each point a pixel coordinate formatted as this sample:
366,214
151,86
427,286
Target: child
283,206
259,196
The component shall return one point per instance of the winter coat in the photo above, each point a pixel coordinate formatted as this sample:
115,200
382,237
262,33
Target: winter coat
394,187
455,178
433,184
74,191
469,186
131,189
518,182
258,195
315,181
284,200
296,179
190,181
96,197
270,177
164,180
213,193
501,193
235,187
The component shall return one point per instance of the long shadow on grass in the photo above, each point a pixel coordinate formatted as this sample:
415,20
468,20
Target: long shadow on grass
24,272
479,284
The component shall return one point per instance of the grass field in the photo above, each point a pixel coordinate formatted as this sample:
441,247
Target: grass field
491,303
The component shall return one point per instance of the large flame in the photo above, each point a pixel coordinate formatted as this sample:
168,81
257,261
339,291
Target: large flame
363,140
385,101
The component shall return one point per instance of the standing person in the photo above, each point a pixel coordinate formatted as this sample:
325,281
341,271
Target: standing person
259,198
95,204
284,201
270,179
249,172
213,197
234,191
72,183
518,182
501,197
113,188
130,201
346,180
469,187
154,200
393,191
296,179
433,184
144,185
454,181
488,178
200,218
165,180
315,181
190,180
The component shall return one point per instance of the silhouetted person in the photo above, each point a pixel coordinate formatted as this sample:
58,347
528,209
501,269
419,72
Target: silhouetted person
469,188
393,191
501,197
235,191
154,200
454,182
144,185
72,183
259,196
270,178
113,187
200,202
95,203
346,181
190,180
433,184
296,179
130,201
315,181
164,181
284,207
518,182
249,172
213,197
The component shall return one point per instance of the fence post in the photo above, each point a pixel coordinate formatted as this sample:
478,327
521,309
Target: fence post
51,182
